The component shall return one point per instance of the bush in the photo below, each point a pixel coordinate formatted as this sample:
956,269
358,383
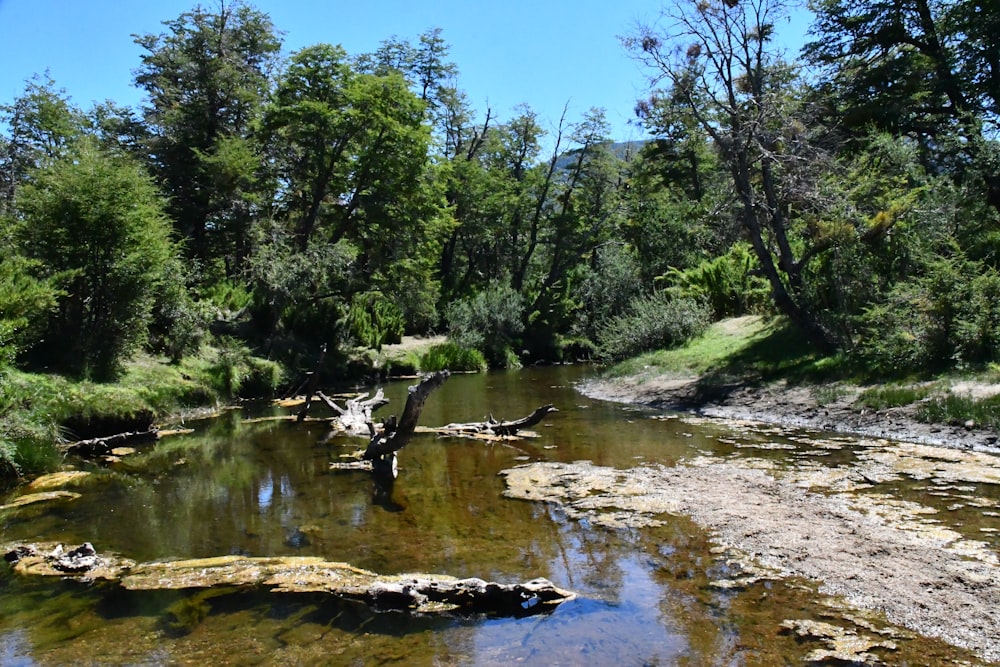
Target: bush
490,322
727,283
28,434
608,286
375,320
947,315
651,323
179,323
23,301
453,357
236,372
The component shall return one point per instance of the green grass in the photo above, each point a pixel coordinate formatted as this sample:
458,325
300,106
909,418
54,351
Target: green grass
38,410
453,357
828,394
701,354
746,348
893,396
959,409
752,350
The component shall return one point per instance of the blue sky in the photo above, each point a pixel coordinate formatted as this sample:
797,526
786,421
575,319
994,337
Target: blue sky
546,53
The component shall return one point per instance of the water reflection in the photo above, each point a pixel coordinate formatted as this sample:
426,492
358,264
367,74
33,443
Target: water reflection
266,489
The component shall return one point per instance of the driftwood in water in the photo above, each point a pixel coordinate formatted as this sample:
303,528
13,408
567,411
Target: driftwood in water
394,434
101,446
493,427
422,593
490,430
355,417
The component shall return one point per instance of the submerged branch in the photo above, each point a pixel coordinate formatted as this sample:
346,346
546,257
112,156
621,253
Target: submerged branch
492,427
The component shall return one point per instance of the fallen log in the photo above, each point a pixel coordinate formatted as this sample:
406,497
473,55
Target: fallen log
95,447
419,593
492,427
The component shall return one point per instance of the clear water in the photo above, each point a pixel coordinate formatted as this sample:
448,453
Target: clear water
265,488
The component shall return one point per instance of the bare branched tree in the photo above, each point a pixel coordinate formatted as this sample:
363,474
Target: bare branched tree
716,61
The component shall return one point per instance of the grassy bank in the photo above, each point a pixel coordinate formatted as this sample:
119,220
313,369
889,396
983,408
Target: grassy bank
741,349
755,351
38,411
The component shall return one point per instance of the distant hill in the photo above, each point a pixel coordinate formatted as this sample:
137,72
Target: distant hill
625,150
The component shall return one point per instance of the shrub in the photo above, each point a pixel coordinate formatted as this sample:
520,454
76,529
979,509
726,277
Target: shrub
28,434
375,320
236,372
490,322
947,315
453,357
608,286
95,223
651,323
727,283
179,323
23,301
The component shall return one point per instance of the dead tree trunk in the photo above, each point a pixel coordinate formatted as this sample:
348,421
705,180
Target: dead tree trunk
383,445
311,384
498,428
95,447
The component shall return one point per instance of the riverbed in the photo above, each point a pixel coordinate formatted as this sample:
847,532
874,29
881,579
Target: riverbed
687,541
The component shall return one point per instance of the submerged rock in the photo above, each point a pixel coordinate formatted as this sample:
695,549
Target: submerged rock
48,559
842,645
44,496
58,480
422,593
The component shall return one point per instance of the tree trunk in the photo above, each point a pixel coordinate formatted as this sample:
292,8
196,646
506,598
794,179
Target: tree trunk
394,436
498,428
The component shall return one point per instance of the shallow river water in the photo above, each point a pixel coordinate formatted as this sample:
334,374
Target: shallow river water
645,596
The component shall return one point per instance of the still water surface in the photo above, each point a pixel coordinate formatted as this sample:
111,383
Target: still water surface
265,488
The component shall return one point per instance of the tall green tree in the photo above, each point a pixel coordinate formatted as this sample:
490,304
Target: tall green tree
206,79
94,225
926,69
581,210
41,125
431,75
351,151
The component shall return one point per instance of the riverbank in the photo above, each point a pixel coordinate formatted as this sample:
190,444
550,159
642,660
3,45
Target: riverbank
38,411
843,527
728,375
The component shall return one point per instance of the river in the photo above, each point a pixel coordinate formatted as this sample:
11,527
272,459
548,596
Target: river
646,596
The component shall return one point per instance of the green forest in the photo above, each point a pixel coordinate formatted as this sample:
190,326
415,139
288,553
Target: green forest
262,212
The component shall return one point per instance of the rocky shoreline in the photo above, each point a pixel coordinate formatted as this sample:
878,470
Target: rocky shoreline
871,550
795,405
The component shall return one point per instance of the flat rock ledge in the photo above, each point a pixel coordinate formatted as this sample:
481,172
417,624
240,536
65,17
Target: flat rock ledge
416,593
871,552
